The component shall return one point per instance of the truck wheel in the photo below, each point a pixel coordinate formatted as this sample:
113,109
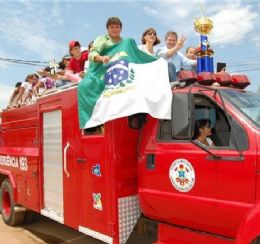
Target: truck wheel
7,205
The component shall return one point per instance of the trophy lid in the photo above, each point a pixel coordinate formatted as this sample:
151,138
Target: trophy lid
203,25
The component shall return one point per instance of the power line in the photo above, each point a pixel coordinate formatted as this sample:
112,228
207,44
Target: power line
247,63
18,65
21,60
244,70
22,63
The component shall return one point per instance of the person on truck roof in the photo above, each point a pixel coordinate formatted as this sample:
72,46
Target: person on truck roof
75,68
202,132
149,40
61,78
171,51
190,54
45,82
114,28
14,95
25,91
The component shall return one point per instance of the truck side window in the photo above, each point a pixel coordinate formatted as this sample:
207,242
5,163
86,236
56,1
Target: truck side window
241,136
221,136
97,130
221,129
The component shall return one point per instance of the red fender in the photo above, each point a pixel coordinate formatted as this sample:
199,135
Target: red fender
249,228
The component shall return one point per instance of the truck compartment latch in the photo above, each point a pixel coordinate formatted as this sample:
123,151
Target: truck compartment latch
81,160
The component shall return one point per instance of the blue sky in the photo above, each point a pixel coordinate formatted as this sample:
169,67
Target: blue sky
41,30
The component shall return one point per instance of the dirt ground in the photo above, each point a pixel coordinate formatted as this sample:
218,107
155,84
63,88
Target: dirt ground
44,230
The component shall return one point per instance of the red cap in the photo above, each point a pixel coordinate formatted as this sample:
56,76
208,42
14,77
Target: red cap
73,44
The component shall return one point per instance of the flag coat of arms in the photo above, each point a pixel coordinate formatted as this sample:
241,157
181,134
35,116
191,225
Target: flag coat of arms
133,82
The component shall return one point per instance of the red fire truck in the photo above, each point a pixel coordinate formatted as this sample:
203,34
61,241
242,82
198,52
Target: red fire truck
99,181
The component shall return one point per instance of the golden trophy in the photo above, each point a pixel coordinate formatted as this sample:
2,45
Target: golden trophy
204,25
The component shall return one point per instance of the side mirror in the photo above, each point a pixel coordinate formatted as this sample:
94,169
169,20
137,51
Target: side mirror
181,118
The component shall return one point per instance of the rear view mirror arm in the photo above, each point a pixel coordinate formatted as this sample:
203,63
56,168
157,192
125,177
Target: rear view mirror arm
214,156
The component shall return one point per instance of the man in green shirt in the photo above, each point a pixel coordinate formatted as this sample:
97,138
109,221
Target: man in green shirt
114,28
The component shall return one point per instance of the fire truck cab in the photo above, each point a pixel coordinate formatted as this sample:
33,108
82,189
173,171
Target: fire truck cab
100,180
203,194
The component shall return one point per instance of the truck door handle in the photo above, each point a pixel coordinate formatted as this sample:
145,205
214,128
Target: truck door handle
65,159
150,161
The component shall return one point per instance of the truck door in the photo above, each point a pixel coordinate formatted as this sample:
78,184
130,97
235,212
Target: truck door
176,180
182,184
235,175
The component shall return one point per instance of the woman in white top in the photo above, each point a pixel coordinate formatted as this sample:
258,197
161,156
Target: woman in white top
149,40
203,132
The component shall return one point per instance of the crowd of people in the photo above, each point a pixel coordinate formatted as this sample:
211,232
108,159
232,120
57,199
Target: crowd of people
73,67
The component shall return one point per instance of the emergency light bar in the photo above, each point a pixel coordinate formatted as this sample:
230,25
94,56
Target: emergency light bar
223,79
188,76
208,78
240,81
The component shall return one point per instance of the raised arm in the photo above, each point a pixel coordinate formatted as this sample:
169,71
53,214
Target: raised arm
180,43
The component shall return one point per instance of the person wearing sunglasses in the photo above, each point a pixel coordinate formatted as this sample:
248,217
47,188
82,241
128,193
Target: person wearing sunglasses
149,40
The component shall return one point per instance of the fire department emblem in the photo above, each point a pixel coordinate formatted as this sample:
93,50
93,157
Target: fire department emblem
182,175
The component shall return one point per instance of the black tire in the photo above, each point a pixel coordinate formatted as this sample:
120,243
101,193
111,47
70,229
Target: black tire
7,205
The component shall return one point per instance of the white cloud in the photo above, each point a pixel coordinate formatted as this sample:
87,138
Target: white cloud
174,10
150,11
29,29
55,14
5,94
232,24
256,40
175,15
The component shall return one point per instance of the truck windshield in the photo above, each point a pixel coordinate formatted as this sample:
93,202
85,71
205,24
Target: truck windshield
247,102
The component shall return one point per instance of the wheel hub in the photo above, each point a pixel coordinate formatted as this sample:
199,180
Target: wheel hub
6,202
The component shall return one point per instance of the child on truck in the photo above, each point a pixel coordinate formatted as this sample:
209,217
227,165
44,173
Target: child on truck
75,68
